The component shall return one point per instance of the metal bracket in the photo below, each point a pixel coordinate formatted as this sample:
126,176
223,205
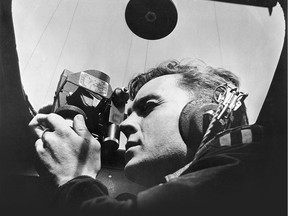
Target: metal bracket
230,98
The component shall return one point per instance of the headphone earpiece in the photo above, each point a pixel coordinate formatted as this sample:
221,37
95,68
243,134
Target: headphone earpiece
194,121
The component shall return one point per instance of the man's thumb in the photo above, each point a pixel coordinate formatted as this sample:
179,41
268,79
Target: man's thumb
79,126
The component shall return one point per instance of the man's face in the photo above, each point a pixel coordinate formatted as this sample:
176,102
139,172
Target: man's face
154,145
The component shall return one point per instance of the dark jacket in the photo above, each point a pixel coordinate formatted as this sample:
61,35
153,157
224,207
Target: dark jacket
226,179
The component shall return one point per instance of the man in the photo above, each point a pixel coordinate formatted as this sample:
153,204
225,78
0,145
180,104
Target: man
160,151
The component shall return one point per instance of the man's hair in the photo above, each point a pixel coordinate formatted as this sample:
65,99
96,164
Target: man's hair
196,77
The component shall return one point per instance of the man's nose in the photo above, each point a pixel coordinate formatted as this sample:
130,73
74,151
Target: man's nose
128,126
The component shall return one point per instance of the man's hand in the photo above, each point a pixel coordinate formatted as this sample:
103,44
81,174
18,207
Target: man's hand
66,152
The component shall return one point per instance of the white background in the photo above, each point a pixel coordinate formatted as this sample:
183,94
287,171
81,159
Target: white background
53,35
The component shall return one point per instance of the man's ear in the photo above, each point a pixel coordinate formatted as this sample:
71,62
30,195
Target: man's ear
194,121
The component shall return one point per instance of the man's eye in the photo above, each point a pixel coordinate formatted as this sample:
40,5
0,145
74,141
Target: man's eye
148,107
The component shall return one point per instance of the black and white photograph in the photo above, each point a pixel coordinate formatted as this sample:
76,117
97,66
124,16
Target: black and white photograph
143,107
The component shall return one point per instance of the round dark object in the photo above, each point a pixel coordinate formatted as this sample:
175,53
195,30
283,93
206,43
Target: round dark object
69,111
194,121
151,19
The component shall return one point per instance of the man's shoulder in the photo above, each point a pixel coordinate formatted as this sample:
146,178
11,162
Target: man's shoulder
231,149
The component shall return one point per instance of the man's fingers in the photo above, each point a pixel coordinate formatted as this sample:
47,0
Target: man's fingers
39,145
79,126
35,120
37,126
43,153
44,139
52,121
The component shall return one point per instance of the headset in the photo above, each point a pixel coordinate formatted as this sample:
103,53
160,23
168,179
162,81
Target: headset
198,124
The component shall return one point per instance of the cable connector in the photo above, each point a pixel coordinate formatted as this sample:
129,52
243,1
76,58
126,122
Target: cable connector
230,98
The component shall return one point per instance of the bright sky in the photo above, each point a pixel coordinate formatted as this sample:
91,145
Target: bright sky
53,35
